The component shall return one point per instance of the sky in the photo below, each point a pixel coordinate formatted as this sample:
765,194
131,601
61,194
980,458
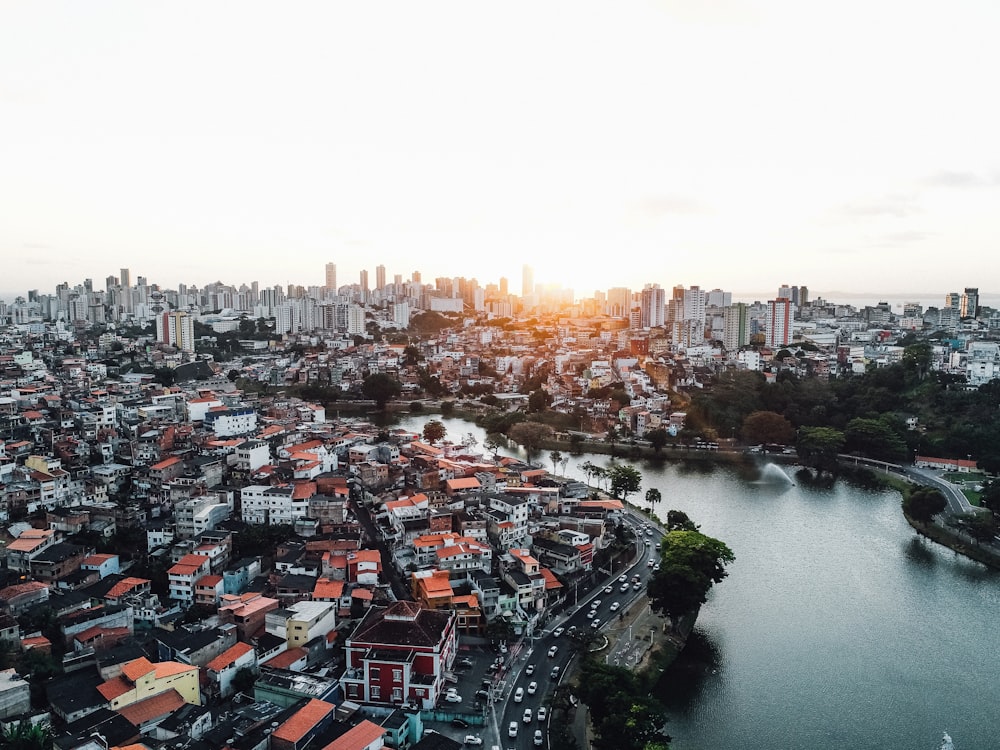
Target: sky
851,147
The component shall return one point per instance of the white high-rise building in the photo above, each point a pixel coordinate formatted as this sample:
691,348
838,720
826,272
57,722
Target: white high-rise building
779,322
177,329
356,320
331,278
653,305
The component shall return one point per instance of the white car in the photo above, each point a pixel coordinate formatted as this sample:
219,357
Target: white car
527,716
538,738
595,624
532,688
519,695
512,729
591,613
529,670
543,714
473,739
452,697
624,587
595,604
608,589
623,579
615,606
558,632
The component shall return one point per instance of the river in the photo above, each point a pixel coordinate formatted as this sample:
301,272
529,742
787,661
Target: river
837,626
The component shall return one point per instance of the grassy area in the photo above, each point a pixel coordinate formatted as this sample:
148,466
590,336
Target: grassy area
973,496
959,477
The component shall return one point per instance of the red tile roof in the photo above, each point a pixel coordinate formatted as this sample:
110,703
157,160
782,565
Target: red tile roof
158,705
229,656
299,724
362,735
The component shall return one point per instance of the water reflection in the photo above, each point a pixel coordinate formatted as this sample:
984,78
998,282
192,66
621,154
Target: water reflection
681,686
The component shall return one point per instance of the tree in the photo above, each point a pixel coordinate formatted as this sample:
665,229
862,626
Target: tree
494,442
539,400
657,439
26,736
530,435
575,442
819,446
612,437
434,431
625,479
623,713
767,427
555,457
923,503
594,472
990,496
381,388
875,438
981,526
653,496
691,563
678,520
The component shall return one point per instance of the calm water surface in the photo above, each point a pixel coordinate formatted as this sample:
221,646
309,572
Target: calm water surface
836,628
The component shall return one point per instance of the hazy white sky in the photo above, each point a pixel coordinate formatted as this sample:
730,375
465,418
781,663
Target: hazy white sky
845,146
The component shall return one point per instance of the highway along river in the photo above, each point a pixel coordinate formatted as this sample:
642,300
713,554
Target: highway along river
837,626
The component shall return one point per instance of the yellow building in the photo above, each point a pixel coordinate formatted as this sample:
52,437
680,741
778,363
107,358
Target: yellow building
141,679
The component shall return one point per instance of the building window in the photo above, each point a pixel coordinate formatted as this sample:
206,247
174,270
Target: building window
397,695
373,673
397,675
375,692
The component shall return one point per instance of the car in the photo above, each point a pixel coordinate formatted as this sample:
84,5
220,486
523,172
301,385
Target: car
624,587
656,567
532,688
637,585
555,673
558,632
591,613
465,662
595,604
483,695
473,739
519,695
538,738
543,714
608,589
595,624
452,697
459,722
512,729
650,563
527,717
623,579
529,670
615,606
553,651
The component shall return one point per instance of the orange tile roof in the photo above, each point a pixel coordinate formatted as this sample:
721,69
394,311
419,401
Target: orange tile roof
361,735
327,589
551,582
287,658
114,687
209,581
304,490
124,586
97,559
136,668
360,593
229,656
299,724
170,668
165,463
152,708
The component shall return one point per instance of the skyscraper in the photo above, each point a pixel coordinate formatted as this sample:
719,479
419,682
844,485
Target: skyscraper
527,280
380,277
331,277
779,322
737,326
177,329
125,279
364,281
970,302
652,304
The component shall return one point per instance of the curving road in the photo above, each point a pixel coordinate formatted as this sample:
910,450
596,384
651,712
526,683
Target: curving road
505,709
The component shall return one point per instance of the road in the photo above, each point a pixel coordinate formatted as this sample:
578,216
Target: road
506,709
958,503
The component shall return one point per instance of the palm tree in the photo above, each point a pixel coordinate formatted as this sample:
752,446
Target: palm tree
555,457
26,736
653,496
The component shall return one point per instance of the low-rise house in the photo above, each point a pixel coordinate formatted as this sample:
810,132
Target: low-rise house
223,668
141,679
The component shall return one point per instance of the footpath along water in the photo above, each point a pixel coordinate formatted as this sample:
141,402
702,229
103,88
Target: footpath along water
837,627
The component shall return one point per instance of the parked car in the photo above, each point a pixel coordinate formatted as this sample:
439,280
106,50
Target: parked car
473,739
519,695
452,697
465,662
459,722
512,729
483,695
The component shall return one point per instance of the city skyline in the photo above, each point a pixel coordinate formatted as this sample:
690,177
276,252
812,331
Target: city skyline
735,147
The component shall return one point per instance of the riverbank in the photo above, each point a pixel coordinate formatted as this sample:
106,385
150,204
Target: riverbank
954,540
